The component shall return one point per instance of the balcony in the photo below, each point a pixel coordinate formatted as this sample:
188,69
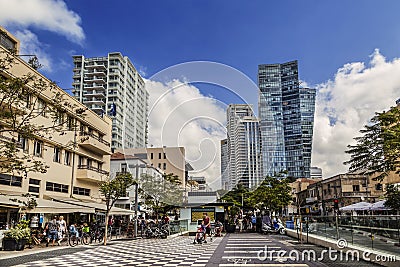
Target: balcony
95,72
95,93
356,194
94,143
90,173
94,79
98,66
95,101
311,199
95,86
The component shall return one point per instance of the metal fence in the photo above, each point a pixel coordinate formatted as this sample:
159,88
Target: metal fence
377,232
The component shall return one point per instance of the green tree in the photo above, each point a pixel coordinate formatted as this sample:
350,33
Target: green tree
25,101
112,190
273,194
378,150
393,197
160,194
237,195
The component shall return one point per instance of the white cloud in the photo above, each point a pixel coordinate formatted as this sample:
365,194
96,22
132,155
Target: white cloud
51,15
181,116
30,45
346,103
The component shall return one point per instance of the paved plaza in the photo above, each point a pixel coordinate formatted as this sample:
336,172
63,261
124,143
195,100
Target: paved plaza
240,249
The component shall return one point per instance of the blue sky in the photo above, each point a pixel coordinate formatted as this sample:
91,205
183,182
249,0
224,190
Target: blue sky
348,50
322,35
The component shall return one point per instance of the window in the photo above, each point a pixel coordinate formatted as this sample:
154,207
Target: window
56,187
38,148
59,120
67,158
9,180
159,155
24,143
34,186
356,188
164,166
165,156
159,165
379,187
41,107
57,154
123,167
151,156
70,123
81,191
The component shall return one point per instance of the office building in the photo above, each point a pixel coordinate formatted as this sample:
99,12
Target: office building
243,147
286,113
111,85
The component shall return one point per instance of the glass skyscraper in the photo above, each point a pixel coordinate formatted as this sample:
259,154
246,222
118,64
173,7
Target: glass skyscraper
286,114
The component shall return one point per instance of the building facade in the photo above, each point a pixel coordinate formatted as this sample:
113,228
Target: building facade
77,154
111,85
168,159
286,114
224,164
137,167
243,147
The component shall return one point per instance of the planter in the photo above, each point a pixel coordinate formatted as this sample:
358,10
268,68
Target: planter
230,228
9,244
21,244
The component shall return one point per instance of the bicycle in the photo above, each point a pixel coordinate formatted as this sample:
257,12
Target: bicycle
74,240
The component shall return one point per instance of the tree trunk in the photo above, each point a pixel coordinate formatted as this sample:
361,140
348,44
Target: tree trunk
106,229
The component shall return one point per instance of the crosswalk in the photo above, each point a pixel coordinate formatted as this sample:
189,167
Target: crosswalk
255,250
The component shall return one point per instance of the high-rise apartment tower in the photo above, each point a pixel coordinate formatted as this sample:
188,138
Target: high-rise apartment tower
244,147
111,85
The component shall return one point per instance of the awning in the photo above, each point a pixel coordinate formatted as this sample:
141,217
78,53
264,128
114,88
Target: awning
48,206
43,205
95,205
6,202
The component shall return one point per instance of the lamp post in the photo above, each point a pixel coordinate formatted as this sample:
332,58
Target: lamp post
137,166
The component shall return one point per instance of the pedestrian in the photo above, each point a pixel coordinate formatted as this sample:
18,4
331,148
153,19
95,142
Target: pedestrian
207,223
52,231
62,226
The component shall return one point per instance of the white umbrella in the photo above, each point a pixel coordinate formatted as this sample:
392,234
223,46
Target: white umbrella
380,205
356,206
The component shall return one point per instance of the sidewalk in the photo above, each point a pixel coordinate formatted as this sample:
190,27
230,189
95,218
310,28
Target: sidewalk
42,248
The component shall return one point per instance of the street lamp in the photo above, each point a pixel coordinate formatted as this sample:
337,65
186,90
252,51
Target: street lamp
136,184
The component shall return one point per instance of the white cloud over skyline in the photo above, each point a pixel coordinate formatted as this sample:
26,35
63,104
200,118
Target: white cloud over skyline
180,115
51,15
30,45
346,103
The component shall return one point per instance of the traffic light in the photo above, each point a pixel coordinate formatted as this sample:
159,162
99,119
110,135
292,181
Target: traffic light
336,204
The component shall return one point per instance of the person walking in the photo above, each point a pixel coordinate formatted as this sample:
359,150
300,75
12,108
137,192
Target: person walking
62,227
52,231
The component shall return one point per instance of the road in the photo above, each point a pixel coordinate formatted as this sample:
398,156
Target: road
249,249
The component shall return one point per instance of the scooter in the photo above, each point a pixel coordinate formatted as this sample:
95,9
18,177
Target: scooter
265,229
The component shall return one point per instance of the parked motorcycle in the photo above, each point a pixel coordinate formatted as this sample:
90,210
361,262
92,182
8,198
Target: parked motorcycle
265,229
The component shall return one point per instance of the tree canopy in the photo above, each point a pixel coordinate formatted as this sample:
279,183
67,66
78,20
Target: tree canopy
378,150
393,197
23,100
113,189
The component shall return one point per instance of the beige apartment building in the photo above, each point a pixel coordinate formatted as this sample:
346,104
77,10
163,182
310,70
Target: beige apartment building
167,159
78,158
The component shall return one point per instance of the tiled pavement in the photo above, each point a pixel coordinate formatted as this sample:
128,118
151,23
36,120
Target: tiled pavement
177,251
245,249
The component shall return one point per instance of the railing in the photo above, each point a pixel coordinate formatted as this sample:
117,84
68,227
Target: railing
376,232
95,137
92,168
